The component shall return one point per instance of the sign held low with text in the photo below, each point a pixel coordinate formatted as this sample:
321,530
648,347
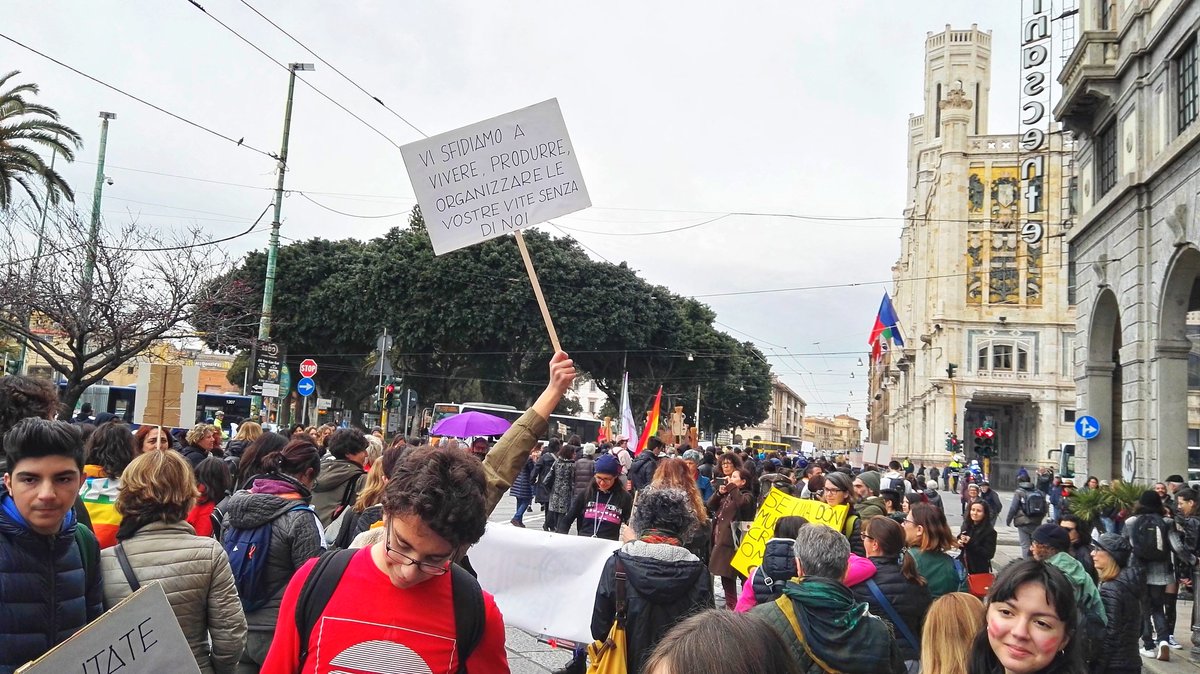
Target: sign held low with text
495,177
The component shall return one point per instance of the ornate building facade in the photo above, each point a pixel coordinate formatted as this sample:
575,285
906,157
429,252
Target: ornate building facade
1130,92
981,285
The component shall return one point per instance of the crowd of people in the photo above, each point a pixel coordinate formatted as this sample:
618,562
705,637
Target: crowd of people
323,549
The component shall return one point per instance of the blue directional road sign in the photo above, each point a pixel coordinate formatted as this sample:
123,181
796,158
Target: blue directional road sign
305,387
1087,427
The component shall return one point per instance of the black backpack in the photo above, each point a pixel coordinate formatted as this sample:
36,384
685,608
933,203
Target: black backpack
1150,539
1034,504
469,611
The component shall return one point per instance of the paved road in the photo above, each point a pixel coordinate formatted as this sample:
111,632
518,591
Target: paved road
527,655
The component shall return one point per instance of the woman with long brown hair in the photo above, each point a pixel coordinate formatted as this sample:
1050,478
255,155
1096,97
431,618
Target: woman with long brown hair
896,592
929,537
675,473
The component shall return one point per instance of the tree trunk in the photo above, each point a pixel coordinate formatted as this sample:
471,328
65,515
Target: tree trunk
70,398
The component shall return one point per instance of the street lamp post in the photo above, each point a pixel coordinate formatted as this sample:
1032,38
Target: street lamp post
264,324
89,267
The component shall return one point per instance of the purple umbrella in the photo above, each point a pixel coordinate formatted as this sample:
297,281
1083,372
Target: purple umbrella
468,424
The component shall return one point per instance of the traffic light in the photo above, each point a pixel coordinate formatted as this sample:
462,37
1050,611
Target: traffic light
985,441
952,443
389,396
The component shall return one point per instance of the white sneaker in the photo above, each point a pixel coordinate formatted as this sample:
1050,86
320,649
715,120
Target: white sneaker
1164,651
1173,643
1148,652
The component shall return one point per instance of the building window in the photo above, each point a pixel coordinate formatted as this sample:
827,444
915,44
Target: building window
1022,360
1002,357
1068,416
1185,85
1106,12
937,113
983,360
1106,159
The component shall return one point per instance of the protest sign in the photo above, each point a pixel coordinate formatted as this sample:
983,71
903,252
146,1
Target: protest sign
496,176
139,634
778,504
544,583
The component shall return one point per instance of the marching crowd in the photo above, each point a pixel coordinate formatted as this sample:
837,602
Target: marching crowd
323,550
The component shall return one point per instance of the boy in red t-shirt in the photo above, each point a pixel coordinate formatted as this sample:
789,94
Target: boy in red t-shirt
393,604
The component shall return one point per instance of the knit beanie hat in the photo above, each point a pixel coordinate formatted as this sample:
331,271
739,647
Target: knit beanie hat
871,479
1053,536
1151,501
608,465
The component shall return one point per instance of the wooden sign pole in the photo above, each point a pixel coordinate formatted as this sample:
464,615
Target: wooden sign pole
537,291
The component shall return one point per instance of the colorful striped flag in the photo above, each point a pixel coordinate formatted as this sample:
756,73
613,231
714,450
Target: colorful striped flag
887,327
651,423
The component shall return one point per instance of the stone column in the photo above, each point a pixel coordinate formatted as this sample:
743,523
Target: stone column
1170,365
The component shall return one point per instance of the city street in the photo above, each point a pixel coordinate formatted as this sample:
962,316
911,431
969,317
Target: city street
527,655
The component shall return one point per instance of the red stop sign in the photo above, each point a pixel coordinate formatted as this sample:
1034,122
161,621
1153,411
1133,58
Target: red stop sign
308,368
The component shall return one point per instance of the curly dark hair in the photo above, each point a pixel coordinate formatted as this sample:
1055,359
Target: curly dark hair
111,447
250,464
22,397
444,488
346,441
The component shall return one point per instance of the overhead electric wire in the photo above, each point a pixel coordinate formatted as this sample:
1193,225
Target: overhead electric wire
310,85
334,69
195,245
185,120
349,215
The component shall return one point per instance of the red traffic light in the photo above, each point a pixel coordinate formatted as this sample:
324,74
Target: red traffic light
390,388
979,432
989,433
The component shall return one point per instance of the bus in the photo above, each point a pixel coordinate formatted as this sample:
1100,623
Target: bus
120,400
561,425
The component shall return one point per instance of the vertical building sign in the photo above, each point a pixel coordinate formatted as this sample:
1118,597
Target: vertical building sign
1035,119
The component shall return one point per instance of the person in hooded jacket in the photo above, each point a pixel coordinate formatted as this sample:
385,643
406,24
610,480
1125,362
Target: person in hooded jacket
1120,590
522,487
543,479
1025,524
866,488
280,498
992,499
897,579
603,507
342,479
664,582
977,538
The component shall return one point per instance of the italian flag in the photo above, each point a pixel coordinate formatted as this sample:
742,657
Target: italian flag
887,328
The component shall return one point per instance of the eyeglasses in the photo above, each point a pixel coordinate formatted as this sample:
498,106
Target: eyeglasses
908,523
866,537
833,489
605,480
405,560
1069,528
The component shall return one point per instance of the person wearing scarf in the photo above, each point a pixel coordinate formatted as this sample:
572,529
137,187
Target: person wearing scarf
818,618
157,492
664,582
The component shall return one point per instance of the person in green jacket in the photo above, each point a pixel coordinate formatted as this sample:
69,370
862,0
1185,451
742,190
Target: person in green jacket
929,537
1051,544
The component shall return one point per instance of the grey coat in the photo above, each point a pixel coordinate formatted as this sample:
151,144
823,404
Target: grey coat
295,538
194,572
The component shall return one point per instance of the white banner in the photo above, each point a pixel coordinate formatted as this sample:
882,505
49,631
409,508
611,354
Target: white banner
496,176
544,583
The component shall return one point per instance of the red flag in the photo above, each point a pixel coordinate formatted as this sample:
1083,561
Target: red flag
651,424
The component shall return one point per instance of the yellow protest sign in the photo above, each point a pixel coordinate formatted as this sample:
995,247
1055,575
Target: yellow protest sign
778,504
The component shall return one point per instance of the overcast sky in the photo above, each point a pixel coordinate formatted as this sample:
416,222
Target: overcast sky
679,112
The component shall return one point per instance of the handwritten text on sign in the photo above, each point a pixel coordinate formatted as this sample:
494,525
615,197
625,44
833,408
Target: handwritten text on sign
778,504
496,176
139,634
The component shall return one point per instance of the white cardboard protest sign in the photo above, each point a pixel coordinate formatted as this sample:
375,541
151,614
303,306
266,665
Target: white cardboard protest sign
496,176
544,583
139,634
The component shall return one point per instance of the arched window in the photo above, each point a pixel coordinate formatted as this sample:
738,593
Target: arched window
1002,357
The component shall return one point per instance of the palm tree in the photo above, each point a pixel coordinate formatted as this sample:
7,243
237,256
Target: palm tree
24,125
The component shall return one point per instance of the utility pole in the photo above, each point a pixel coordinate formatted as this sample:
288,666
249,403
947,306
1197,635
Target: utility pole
37,260
264,324
89,268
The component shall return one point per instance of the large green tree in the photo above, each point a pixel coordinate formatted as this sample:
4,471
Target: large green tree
466,325
26,126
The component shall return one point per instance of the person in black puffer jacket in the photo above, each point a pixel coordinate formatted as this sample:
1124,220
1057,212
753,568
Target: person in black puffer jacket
898,580
1120,589
664,582
47,591
280,498
977,538
778,565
